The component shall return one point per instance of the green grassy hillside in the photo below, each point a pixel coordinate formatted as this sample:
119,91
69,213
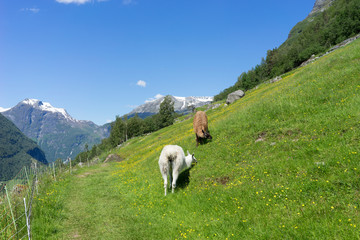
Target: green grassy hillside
283,164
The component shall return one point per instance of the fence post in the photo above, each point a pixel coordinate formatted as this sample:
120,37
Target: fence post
70,165
54,170
27,220
36,180
27,177
12,214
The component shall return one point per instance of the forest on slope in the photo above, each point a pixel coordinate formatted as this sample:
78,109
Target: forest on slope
312,36
16,150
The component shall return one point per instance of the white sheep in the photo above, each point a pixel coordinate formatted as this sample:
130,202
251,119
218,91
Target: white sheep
173,160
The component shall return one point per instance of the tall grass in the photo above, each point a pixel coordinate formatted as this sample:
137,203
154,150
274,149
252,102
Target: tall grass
283,163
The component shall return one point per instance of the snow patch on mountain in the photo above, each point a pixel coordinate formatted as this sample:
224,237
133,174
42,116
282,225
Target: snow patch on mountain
4,109
45,106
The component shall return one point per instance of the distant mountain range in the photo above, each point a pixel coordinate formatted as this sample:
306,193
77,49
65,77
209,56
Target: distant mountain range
56,132
16,150
181,105
61,136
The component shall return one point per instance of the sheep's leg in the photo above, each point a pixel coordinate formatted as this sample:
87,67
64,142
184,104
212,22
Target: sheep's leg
197,140
175,177
164,175
170,175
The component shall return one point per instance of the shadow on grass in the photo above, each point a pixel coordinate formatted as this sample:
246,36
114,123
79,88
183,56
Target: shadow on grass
184,179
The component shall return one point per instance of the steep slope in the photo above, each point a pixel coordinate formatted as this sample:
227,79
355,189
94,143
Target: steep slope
57,133
322,30
283,164
319,6
16,150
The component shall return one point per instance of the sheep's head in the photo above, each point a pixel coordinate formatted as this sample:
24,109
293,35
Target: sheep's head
207,135
192,157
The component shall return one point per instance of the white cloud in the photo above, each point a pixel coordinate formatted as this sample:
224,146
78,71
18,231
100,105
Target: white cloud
33,10
73,1
109,121
141,83
157,96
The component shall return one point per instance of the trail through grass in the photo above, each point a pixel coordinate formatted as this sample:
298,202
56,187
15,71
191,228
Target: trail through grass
89,207
92,206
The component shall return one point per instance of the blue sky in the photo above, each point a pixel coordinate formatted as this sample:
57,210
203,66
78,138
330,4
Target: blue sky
101,58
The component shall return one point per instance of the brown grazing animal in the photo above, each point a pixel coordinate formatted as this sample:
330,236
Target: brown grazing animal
200,125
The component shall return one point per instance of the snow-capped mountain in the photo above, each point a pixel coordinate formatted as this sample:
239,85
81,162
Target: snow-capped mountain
181,105
56,132
45,106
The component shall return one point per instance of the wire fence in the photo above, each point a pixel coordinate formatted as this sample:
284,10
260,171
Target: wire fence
16,199
16,196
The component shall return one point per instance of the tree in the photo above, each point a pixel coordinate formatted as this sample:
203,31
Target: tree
150,124
87,151
94,151
135,126
118,132
126,134
167,112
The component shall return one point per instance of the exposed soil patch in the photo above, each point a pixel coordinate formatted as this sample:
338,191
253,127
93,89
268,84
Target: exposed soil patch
84,175
223,180
104,164
113,158
76,236
261,137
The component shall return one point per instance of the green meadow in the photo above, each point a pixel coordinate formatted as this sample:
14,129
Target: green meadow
283,164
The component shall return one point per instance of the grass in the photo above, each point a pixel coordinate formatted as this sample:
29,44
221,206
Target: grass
283,163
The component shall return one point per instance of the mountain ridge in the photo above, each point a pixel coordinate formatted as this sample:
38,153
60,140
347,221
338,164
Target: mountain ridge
57,133
16,150
181,105
319,6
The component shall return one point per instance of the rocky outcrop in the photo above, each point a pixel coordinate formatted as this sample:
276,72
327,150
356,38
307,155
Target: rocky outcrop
320,6
232,97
